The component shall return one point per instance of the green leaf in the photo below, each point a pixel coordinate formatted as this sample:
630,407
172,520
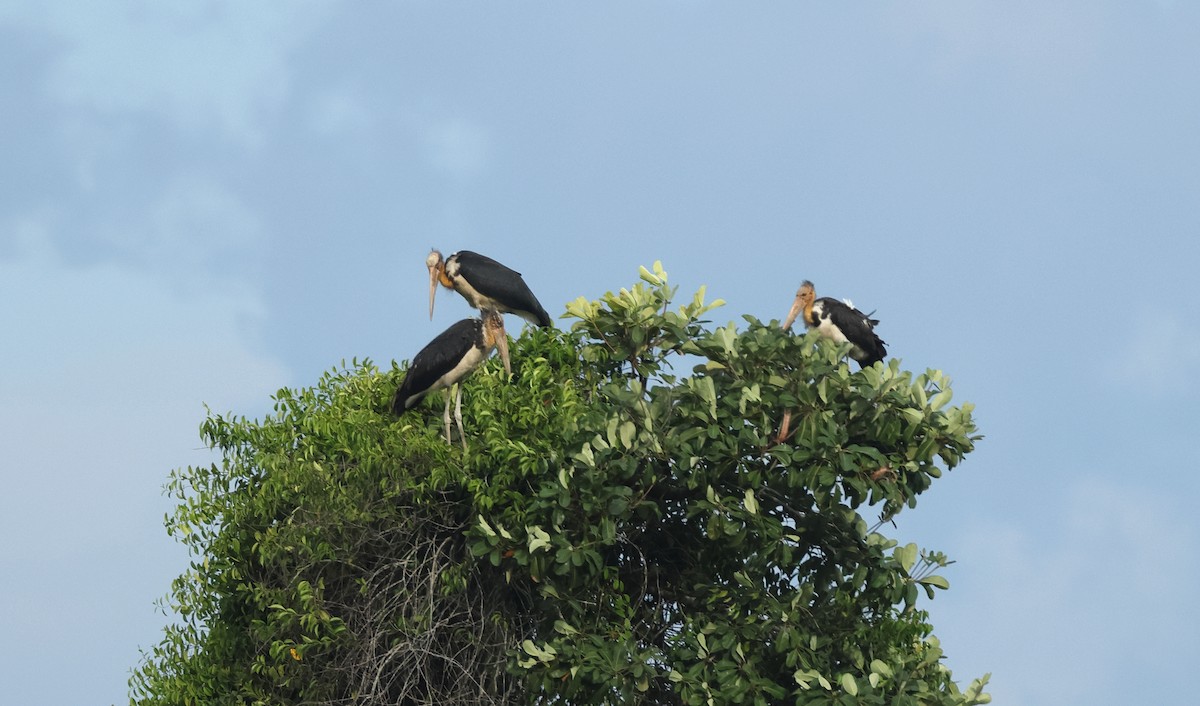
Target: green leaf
708,392
628,431
565,628
753,393
918,390
648,277
727,338
750,503
935,581
849,684
906,555
538,538
541,653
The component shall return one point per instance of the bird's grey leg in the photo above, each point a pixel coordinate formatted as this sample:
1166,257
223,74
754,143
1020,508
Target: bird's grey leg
446,415
458,417
502,342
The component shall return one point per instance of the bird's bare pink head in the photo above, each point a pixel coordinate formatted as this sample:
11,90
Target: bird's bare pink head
802,303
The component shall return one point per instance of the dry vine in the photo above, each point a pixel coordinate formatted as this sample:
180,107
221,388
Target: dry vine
409,640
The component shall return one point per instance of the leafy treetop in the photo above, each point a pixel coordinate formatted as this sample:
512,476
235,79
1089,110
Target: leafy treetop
617,532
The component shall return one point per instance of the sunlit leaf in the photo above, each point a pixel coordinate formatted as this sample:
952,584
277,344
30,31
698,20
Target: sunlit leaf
750,503
906,555
849,684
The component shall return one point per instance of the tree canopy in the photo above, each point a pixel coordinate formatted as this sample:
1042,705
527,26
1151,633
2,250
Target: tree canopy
648,511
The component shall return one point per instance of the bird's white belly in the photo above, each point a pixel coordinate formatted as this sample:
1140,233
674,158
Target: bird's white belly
472,295
826,328
469,362
833,333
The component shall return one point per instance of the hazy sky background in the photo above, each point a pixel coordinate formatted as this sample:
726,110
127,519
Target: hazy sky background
201,202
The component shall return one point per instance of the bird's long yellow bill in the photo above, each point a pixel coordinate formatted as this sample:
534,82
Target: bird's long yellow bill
502,346
433,284
797,306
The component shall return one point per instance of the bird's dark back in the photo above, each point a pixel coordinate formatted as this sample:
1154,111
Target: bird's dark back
857,327
499,282
436,359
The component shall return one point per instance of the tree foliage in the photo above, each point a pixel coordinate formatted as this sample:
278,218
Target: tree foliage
616,532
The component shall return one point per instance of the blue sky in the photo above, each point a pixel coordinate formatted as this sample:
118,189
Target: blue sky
201,202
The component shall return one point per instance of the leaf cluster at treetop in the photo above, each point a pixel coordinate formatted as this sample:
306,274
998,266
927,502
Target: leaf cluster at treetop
620,531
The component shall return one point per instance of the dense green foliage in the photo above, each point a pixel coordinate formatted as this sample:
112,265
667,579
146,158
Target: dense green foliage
616,532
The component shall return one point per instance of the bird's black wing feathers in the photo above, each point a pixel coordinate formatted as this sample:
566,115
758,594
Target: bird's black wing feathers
472,259
505,285
435,360
858,328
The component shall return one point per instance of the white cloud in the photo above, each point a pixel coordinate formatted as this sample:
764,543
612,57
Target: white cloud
458,148
108,367
195,226
221,62
337,112
63,319
1082,609
1155,354
1047,43
106,371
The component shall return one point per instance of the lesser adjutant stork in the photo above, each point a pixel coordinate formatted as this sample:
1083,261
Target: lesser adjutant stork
449,358
485,284
839,322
